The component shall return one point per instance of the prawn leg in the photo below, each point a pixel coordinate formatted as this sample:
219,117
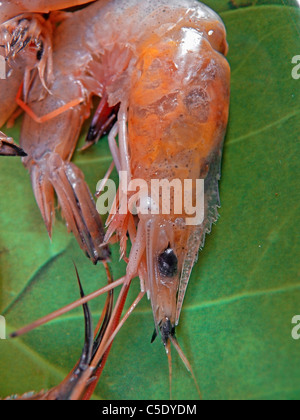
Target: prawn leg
9,148
47,117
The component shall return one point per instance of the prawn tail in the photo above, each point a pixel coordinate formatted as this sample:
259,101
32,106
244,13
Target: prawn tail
75,200
9,148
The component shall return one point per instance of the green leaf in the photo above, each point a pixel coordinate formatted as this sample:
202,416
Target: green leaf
236,322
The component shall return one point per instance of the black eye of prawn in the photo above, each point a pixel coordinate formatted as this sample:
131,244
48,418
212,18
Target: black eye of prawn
168,263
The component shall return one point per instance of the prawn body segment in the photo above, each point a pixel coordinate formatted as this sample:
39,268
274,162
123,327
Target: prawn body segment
49,150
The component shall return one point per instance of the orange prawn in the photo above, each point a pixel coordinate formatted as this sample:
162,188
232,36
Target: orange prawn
163,67
174,105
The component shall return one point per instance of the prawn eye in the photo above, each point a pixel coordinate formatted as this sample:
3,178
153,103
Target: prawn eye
168,263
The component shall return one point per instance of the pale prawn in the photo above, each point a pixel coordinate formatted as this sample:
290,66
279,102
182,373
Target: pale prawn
172,83
27,40
164,66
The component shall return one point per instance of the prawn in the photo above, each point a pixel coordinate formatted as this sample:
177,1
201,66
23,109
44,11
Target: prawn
26,46
163,67
171,82
174,103
28,41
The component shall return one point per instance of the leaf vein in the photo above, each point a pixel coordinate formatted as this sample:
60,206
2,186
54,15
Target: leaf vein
266,128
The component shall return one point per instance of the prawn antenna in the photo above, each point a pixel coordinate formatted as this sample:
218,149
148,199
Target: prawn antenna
169,355
67,308
89,338
185,362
